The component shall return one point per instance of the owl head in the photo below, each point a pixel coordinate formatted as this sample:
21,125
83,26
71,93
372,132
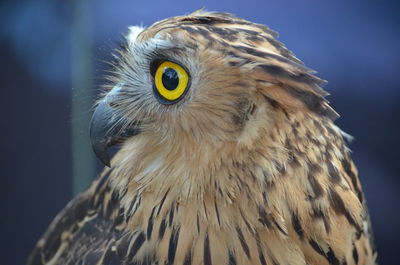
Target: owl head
204,79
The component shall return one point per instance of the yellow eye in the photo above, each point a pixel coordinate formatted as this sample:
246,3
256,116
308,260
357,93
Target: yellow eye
171,81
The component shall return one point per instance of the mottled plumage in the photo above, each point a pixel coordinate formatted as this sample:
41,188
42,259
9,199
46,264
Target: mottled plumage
247,168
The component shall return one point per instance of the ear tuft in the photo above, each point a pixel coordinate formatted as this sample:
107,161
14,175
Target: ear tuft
293,87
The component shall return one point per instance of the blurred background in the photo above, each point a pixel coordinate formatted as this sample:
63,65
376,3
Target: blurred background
52,55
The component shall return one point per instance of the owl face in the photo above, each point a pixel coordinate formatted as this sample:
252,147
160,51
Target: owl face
178,85
203,77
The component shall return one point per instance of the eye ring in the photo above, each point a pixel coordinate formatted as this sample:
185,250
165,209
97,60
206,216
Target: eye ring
171,81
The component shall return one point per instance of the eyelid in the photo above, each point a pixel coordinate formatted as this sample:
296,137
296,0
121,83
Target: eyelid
160,59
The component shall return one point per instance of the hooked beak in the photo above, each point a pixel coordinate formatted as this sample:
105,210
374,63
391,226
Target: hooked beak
106,128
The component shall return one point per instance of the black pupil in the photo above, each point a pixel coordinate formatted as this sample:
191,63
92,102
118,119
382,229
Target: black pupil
170,79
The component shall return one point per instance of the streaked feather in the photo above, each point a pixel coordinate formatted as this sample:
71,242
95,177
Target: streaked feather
249,169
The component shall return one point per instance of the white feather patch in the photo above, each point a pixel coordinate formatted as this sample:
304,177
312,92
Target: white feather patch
134,32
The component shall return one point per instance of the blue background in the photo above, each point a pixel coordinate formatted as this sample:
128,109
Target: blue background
353,44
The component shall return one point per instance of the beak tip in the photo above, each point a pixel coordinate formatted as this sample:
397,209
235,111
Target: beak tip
102,155
106,162
100,150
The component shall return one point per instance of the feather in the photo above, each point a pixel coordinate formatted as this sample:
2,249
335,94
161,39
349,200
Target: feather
246,168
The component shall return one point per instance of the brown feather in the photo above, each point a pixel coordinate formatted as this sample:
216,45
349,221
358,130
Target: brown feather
248,168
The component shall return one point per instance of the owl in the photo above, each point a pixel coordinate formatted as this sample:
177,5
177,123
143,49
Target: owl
228,155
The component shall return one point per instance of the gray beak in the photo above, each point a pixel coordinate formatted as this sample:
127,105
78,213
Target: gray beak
106,130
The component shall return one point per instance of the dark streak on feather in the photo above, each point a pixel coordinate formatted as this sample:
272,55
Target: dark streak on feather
150,223
231,258
303,77
333,173
171,215
119,218
316,247
294,162
188,258
242,112
207,252
263,217
278,71
355,254
313,101
347,168
162,202
260,251
173,243
319,214
243,242
131,207
315,169
137,244
111,205
162,229
340,208
271,101
281,47
137,200
297,226
205,34
205,209
225,33
123,245
205,20
245,221
217,212
123,192
330,255
316,187
198,224
280,228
